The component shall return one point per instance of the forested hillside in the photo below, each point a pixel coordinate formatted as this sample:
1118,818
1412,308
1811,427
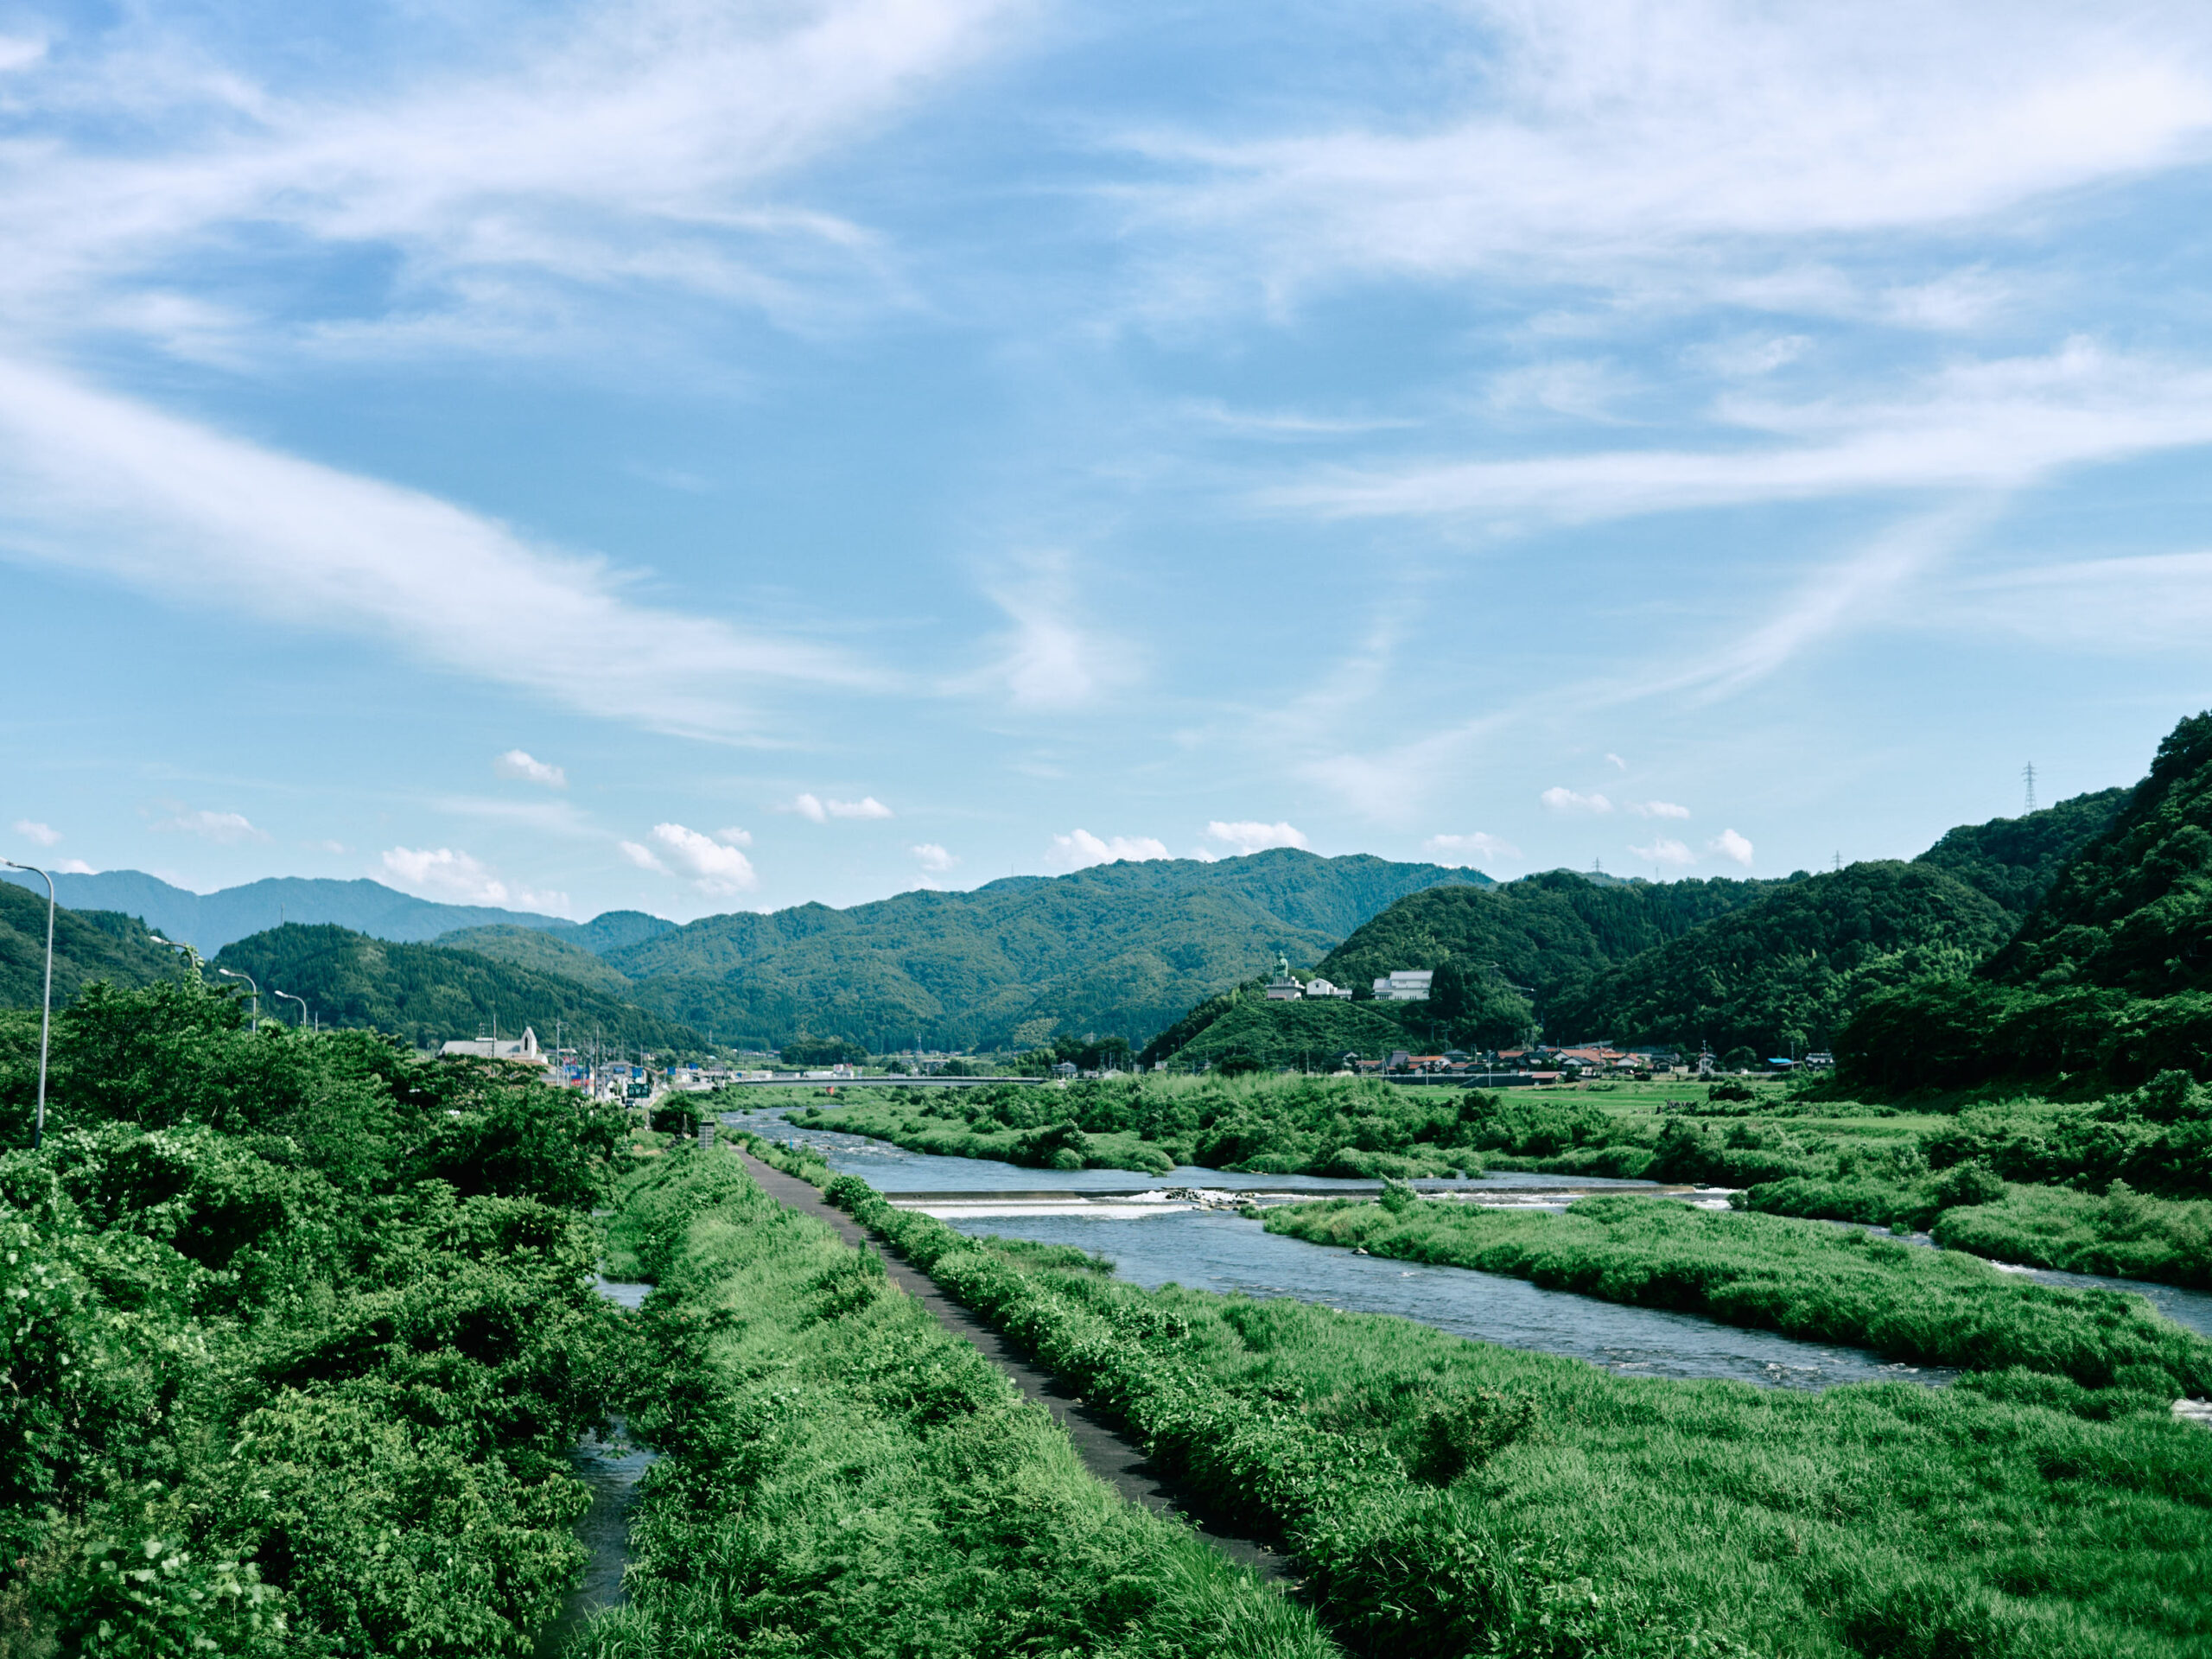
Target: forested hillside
87,945
1118,949
2015,861
430,993
1549,930
1786,972
542,952
2108,981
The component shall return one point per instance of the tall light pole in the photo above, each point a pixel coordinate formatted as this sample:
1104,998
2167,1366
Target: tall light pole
191,953
232,973
288,997
46,1011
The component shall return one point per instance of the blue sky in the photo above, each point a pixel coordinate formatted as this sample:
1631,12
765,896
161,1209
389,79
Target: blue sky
704,456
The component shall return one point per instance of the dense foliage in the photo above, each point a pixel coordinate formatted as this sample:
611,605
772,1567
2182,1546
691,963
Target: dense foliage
87,945
1814,1282
1447,1496
1118,949
2108,981
2015,861
1288,1125
300,1331
842,1476
1780,976
430,993
543,952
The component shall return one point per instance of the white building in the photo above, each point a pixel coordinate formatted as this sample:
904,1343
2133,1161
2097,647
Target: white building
524,1048
1406,985
1318,986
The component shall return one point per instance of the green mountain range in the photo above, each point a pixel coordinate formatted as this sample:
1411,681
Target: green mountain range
431,993
1115,950
1771,966
88,944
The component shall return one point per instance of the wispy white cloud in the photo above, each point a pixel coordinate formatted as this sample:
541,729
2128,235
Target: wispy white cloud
1079,850
1619,764
1559,798
1658,809
1731,846
100,484
74,866
1970,427
1248,835
227,829
1480,844
734,837
452,876
933,858
1057,655
1666,851
640,146
1607,138
519,762
44,834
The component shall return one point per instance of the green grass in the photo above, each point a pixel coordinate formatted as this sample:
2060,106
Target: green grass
1806,1280
844,1478
1448,1497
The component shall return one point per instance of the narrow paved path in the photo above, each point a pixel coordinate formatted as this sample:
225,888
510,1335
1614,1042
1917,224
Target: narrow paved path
1105,1453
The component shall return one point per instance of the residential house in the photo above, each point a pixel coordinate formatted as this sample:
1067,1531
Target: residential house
1405,985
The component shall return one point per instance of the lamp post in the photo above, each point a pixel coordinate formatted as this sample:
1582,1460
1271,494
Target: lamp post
191,953
288,997
46,1010
232,973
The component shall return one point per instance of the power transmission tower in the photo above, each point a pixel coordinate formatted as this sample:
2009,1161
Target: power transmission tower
2028,777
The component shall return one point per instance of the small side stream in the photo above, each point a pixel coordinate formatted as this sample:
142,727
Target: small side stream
610,1470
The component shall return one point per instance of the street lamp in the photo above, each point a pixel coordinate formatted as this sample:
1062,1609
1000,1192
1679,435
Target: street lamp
232,973
191,953
288,997
46,1012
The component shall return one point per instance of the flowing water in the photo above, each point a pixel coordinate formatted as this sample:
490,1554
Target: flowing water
1213,1250
610,1470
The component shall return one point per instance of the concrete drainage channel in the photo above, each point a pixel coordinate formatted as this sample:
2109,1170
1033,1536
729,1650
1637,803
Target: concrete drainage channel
1113,1460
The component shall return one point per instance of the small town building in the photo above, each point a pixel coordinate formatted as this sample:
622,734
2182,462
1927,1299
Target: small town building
1404,985
1318,986
523,1048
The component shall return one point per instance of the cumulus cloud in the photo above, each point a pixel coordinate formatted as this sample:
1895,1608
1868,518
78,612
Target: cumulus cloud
710,865
517,763
933,858
1665,851
74,866
227,829
1079,850
451,876
1658,809
819,811
1480,844
1566,800
1730,845
44,834
734,837
1250,836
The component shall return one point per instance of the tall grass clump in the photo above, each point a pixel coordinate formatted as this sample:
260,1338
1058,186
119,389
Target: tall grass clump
1803,1279
843,1477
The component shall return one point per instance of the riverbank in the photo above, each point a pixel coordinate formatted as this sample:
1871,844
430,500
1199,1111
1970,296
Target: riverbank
840,1475
1444,1495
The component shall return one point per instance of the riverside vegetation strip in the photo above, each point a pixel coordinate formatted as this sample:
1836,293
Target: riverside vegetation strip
842,1476
297,1334
1803,1279
1445,1497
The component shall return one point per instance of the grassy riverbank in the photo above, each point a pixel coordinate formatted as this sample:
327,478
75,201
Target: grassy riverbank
1447,1496
842,1477
1806,1280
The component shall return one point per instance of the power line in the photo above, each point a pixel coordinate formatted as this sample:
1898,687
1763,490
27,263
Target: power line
2028,777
